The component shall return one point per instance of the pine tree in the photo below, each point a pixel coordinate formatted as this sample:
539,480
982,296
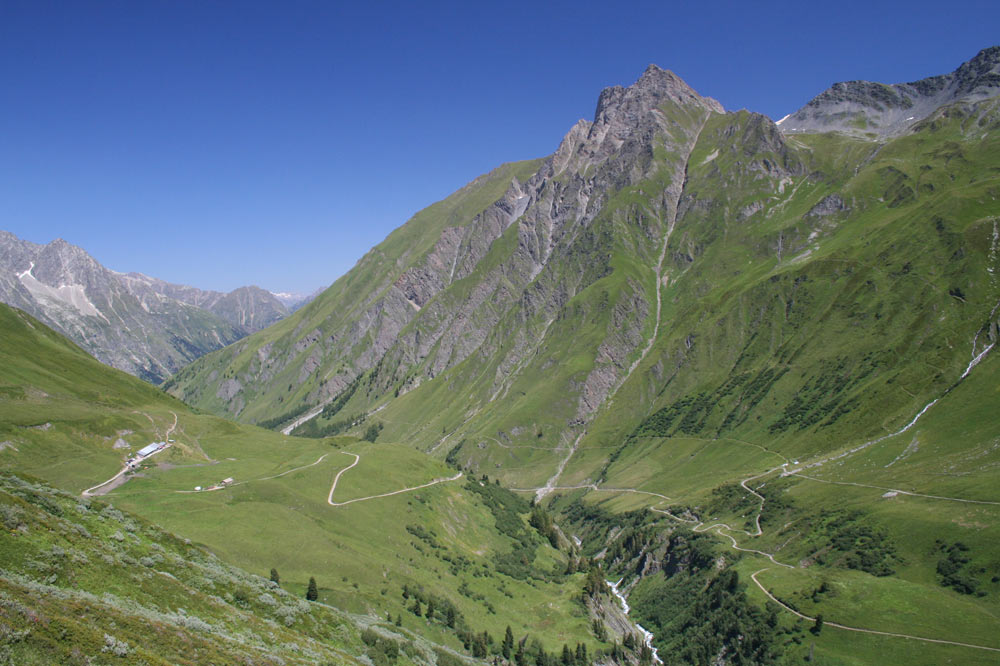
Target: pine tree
508,643
479,646
581,654
416,607
595,582
450,617
274,577
567,656
312,594
818,627
519,657
600,630
399,620
430,609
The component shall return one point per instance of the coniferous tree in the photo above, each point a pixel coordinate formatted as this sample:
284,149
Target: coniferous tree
399,620
595,581
312,594
450,617
600,630
416,607
567,656
479,646
519,658
508,643
274,577
429,613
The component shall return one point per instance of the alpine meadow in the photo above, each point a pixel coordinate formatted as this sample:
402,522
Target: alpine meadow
697,388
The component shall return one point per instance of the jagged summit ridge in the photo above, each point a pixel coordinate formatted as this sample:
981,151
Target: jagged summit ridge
656,86
878,110
627,119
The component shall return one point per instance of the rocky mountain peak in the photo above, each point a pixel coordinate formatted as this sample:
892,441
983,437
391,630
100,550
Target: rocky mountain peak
654,88
627,119
981,74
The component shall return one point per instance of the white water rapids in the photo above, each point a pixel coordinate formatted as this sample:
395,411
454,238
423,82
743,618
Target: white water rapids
647,636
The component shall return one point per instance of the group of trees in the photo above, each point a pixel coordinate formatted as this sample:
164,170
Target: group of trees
312,592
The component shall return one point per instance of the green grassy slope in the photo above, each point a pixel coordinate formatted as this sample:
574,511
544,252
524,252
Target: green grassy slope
62,412
83,582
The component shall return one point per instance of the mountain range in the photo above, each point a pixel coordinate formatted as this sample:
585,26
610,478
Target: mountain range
142,325
667,249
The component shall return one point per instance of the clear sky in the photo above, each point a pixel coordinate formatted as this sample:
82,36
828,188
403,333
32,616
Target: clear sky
273,143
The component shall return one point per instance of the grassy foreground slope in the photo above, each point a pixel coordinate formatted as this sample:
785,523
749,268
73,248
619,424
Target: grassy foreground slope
81,582
463,543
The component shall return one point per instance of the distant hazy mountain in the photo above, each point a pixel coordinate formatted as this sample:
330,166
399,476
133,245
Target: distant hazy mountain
143,325
294,301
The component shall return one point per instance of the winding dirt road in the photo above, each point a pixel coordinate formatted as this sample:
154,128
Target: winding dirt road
357,459
827,623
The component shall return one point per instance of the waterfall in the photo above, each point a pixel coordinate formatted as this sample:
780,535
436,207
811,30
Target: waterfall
647,636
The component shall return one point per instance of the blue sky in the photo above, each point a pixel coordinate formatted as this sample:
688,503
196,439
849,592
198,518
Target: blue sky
227,143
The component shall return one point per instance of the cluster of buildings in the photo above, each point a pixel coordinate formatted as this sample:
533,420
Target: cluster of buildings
219,486
145,452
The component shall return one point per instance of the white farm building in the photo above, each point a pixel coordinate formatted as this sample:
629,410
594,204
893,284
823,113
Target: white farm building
150,449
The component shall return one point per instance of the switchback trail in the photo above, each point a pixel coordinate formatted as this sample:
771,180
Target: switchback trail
827,623
357,459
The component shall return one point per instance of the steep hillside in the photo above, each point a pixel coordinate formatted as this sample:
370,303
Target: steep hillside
496,262
133,322
666,254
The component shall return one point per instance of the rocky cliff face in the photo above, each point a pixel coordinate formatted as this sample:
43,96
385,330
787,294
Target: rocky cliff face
511,267
877,110
145,326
